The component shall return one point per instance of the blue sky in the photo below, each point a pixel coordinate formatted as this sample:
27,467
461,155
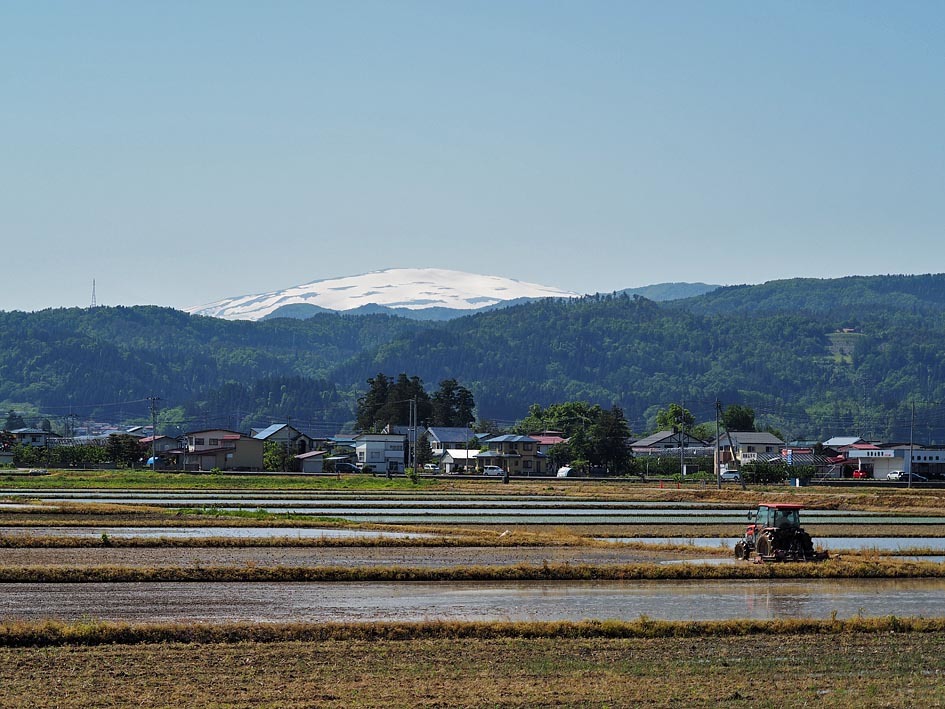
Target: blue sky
180,152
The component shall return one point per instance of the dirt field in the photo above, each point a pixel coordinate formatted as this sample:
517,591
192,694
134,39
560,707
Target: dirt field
847,670
331,556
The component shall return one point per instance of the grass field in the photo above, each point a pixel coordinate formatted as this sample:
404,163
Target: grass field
845,669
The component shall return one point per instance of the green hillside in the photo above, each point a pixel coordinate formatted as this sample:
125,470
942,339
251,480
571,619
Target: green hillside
812,357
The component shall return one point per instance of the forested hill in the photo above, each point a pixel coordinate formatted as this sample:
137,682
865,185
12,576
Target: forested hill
858,348
79,358
858,297
849,356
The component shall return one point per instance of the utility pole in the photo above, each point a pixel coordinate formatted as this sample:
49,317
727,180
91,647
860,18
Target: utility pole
911,446
413,434
682,448
153,400
718,454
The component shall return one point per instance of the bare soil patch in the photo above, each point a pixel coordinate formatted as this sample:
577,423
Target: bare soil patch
773,671
162,557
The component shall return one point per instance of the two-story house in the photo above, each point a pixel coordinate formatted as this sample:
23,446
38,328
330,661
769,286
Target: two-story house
444,438
382,452
517,455
294,441
222,449
665,440
35,437
748,446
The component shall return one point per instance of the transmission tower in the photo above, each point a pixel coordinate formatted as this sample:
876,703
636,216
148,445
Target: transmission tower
93,305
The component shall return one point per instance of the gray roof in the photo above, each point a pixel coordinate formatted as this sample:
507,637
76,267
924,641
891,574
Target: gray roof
451,434
271,430
838,441
662,436
510,438
750,438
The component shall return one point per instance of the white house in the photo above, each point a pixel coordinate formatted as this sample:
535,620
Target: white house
749,446
443,438
459,460
382,452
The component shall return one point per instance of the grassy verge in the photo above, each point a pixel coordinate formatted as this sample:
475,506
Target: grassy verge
856,568
886,662
150,480
50,633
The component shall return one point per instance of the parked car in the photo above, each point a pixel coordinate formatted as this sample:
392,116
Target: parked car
730,476
903,476
430,467
493,470
346,468
861,474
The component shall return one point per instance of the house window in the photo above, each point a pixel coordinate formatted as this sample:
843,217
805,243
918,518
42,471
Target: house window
198,441
214,441
526,446
527,465
750,449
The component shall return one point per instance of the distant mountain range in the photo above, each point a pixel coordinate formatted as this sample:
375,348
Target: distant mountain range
415,293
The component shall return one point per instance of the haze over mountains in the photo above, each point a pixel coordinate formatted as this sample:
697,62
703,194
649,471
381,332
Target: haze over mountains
416,293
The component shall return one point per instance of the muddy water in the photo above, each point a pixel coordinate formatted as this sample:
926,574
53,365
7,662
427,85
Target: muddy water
290,602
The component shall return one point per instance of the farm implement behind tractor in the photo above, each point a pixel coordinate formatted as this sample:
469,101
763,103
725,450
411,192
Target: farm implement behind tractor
775,534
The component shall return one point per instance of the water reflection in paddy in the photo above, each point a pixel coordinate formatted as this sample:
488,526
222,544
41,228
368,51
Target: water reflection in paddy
201,532
515,601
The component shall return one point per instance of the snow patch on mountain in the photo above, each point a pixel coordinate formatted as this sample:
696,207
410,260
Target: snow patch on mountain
410,288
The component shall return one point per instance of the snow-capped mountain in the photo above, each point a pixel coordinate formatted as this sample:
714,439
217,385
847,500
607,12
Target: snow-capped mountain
415,290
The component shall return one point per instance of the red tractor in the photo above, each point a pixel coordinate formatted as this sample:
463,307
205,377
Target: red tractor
775,534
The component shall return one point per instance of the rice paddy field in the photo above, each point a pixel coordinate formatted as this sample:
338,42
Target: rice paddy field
329,545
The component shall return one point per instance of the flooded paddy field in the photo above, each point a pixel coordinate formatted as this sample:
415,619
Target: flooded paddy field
440,509
482,601
199,532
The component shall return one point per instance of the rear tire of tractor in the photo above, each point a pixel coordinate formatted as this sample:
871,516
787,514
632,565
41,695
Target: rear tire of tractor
764,545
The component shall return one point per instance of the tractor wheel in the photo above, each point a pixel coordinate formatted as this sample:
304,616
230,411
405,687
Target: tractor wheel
765,545
741,550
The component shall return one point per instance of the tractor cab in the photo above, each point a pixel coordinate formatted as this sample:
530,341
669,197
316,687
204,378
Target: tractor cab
774,515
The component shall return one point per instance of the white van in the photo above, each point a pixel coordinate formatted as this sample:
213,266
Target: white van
565,471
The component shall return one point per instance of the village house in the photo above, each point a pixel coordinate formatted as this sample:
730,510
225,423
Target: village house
381,452
517,455
221,449
459,460
35,437
748,446
665,440
312,462
442,438
292,439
